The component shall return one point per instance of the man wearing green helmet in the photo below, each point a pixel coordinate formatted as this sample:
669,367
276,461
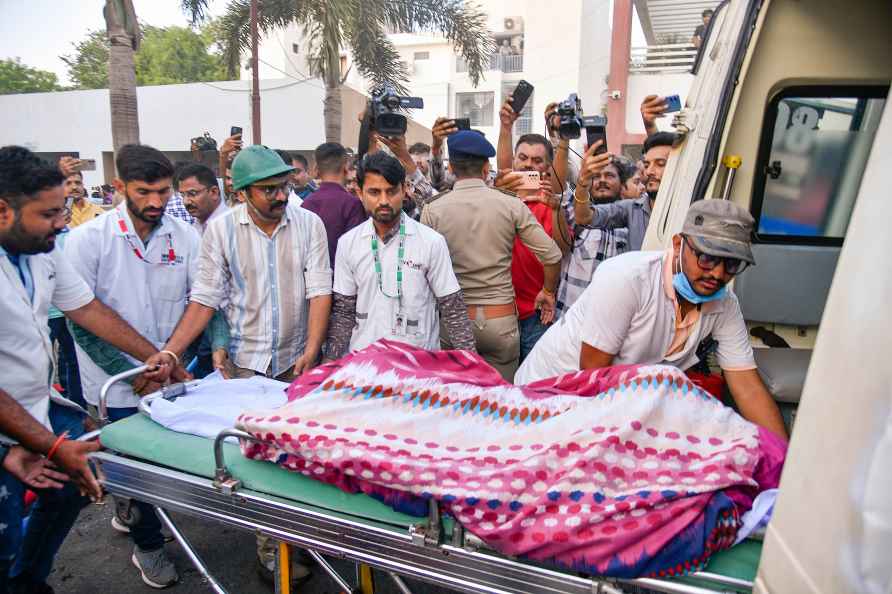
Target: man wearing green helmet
265,265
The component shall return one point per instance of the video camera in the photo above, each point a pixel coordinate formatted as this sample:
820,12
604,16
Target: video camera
381,115
570,112
204,143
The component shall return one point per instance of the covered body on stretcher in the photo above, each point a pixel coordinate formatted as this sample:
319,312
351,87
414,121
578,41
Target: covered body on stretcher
178,471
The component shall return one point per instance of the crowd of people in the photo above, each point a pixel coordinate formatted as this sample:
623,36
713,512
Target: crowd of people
283,263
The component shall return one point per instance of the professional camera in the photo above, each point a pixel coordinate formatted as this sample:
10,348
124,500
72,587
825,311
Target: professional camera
383,109
204,143
381,115
570,112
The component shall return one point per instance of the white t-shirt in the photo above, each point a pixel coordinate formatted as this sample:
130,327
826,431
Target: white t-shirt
628,310
427,276
26,353
149,293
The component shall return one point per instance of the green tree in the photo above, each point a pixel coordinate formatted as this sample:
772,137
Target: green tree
166,55
88,65
16,77
357,25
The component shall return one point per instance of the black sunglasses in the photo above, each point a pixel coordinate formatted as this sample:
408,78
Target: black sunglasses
708,261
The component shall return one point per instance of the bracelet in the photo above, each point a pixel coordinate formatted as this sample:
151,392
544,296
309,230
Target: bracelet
548,291
56,444
576,199
172,354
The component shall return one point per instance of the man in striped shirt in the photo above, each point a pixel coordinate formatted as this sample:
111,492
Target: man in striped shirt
265,264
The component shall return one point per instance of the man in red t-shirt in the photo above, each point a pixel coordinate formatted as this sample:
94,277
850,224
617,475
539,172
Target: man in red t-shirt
533,152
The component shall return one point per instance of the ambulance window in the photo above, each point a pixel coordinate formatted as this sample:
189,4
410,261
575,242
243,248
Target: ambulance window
815,145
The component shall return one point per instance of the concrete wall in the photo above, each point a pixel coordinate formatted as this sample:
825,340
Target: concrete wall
169,115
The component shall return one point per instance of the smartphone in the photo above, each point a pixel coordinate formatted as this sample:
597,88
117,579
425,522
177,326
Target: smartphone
530,180
595,130
673,103
86,165
521,95
462,123
235,130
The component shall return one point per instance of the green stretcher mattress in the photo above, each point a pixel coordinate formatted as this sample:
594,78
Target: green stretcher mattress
141,438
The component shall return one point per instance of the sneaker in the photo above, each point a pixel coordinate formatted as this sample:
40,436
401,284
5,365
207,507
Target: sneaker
157,570
123,528
119,525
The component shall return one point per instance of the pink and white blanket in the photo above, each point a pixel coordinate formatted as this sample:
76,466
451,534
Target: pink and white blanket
624,471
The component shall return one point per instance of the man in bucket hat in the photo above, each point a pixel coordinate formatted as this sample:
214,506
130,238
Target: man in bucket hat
657,307
265,265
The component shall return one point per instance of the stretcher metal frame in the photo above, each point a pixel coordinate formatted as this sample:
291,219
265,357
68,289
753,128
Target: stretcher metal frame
464,563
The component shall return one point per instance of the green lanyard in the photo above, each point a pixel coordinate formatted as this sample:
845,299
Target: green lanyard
399,263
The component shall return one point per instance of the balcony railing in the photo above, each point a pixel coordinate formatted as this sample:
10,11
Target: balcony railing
675,57
509,63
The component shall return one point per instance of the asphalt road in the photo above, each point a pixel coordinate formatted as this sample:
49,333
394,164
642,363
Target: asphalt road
95,559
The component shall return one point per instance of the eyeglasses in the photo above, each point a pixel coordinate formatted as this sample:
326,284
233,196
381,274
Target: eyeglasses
708,261
272,191
194,193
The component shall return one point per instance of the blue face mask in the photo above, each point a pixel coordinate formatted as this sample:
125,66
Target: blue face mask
683,287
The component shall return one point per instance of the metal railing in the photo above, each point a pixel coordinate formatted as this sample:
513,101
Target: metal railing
510,63
674,57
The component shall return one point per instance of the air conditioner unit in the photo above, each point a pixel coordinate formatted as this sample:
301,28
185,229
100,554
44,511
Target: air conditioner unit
514,24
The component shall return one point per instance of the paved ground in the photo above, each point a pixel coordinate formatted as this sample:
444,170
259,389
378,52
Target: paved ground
96,560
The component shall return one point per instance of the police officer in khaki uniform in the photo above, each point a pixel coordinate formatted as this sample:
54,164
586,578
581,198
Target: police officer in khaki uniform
480,226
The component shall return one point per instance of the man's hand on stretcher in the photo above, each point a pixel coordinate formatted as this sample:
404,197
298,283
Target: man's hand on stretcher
164,368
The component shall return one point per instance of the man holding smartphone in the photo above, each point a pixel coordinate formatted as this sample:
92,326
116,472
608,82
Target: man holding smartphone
532,153
82,210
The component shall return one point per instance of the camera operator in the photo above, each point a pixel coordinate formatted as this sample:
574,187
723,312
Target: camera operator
607,178
533,152
566,167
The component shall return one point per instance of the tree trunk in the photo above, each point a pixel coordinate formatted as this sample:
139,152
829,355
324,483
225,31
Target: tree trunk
332,108
332,111
123,36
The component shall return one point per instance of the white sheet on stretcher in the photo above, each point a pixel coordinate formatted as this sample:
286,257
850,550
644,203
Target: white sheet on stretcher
215,403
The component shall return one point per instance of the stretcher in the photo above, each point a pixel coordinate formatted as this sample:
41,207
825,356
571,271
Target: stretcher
212,480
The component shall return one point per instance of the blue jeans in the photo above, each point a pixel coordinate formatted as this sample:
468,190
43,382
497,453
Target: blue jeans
28,554
146,533
531,330
69,372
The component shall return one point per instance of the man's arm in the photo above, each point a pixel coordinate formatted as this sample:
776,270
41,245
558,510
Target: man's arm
320,310
592,358
105,323
454,314
652,107
71,456
105,356
441,179
505,148
195,319
340,327
754,401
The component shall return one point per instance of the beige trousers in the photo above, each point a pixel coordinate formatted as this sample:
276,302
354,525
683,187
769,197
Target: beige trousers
497,341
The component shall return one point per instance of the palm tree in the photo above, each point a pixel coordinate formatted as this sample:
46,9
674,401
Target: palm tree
122,29
357,25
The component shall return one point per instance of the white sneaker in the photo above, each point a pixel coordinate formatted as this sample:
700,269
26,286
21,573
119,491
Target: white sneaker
120,526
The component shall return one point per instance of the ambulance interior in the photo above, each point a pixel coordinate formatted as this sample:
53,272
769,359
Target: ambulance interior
802,102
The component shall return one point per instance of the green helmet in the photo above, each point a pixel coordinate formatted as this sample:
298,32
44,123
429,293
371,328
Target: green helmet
255,163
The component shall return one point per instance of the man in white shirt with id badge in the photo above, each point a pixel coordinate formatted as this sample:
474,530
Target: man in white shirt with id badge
141,262
393,276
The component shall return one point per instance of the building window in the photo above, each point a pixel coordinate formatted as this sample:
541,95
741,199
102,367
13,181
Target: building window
478,107
422,56
815,143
